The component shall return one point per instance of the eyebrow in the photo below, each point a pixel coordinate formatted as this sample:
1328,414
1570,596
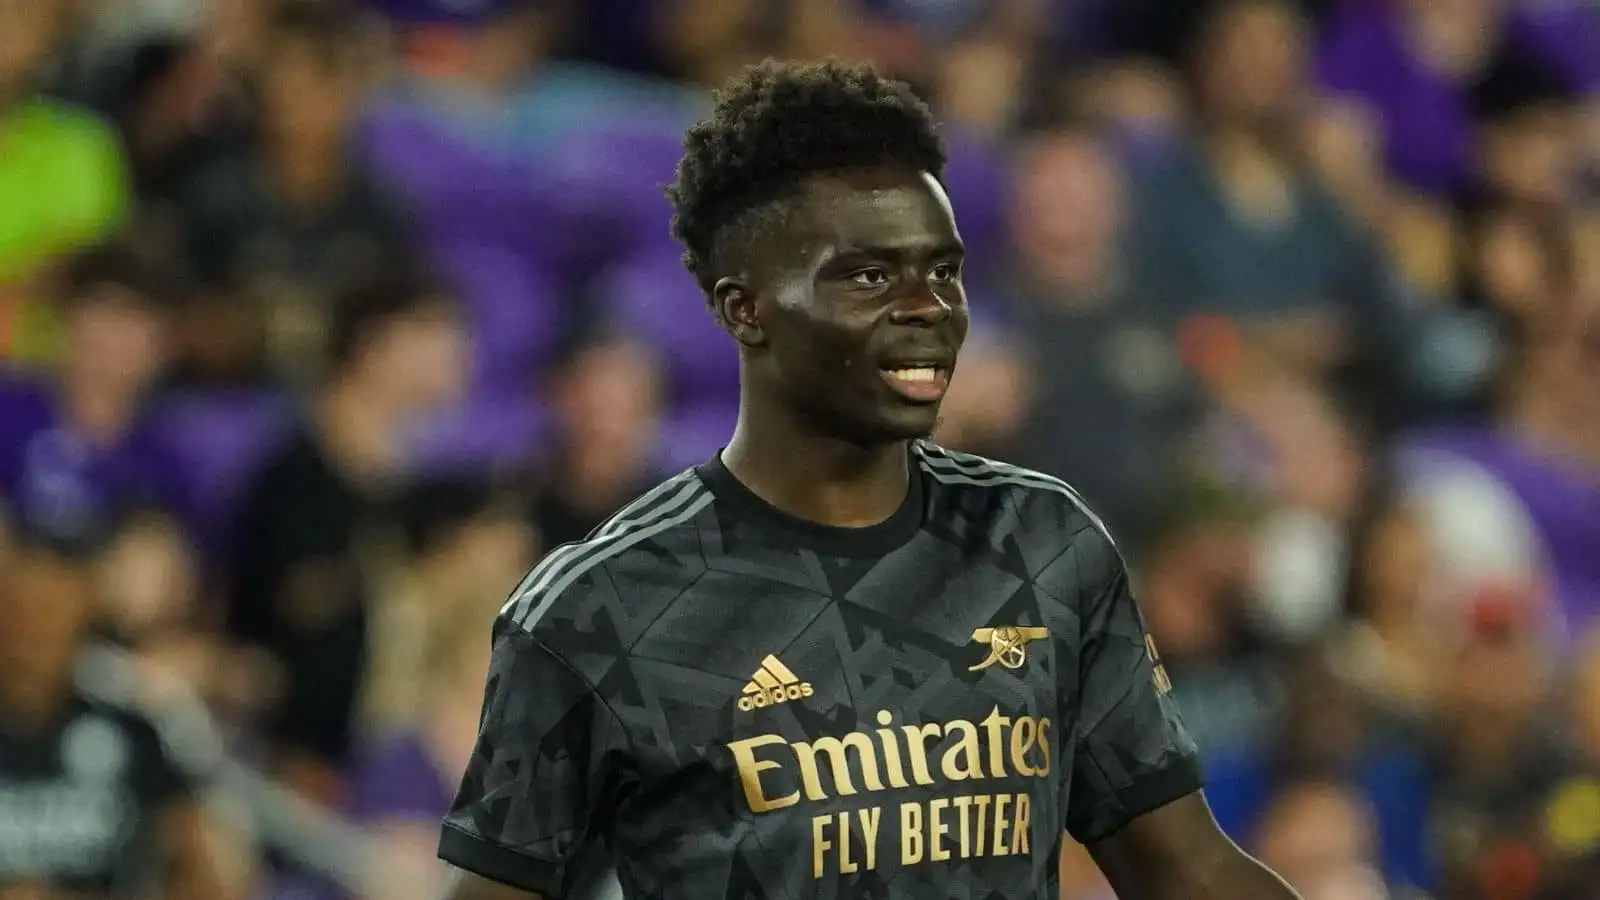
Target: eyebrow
945,249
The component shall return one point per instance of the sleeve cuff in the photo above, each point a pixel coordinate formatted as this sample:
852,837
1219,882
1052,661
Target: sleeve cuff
497,863
1152,792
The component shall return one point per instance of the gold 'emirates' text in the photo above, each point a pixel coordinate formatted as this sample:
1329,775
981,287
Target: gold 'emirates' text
896,757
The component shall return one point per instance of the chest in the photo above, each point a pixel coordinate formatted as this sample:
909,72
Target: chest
807,645
867,716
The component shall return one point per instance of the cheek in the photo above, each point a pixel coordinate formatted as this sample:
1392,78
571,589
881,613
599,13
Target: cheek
815,369
814,342
961,318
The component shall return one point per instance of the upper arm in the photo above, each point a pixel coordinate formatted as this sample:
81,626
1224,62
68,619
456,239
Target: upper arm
460,884
1131,752
1178,851
535,800
1165,840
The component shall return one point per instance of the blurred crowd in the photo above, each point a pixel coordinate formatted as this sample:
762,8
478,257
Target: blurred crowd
321,319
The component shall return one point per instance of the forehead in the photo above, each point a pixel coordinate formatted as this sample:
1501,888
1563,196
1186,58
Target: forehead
876,208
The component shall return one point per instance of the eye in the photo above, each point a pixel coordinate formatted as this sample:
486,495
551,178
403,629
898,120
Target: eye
870,277
946,272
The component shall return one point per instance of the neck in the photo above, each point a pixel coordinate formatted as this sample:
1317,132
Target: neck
822,479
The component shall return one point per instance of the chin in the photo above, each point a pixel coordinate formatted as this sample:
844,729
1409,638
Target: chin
878,423
910,424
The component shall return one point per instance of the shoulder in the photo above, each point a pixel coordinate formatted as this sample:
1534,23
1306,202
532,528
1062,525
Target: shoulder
1047,516
646,548
1043,495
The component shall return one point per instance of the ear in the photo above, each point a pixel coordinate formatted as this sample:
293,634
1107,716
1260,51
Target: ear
735,304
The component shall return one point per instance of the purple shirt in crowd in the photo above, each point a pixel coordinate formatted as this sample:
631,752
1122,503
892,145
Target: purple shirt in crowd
1427,115
69,487
399,779
1561,499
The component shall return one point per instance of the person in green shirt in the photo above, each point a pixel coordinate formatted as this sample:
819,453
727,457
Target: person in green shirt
62,175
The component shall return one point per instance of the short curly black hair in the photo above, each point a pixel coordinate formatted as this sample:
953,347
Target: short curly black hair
779,123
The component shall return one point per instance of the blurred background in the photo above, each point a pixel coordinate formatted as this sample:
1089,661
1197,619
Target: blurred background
320,321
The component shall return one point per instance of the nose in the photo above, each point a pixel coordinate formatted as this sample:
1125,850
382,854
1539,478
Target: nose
920,306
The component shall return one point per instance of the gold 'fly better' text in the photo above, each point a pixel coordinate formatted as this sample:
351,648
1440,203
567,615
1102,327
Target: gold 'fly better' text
777,774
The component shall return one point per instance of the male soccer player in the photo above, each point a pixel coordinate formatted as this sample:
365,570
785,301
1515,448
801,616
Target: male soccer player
837,660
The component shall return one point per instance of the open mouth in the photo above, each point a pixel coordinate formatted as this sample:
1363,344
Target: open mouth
919,383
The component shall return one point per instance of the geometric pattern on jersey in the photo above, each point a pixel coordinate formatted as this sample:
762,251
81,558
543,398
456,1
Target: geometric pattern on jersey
728,702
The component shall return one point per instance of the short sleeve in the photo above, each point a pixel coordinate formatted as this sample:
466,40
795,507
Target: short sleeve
537,793
1132,754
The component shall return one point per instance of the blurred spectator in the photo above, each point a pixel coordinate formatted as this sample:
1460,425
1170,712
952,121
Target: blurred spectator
1237,226
1327,731
220,342
95,801
1193,575
77,450
973,57
1433,68
442,137
464,542
1320,838
1308,455
608,409
302,582
712,40
61,175
1494,765
291,222
176,95
1095,345
402,785
1392,642
148,582
693,361
148,585
1528,129
1416,62
1535,462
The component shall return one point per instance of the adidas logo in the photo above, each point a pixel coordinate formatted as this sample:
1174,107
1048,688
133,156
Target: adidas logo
772,684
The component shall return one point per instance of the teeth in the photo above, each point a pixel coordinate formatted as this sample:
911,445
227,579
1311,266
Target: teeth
920,373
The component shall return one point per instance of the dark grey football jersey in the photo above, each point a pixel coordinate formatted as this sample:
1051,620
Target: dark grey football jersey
724,701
